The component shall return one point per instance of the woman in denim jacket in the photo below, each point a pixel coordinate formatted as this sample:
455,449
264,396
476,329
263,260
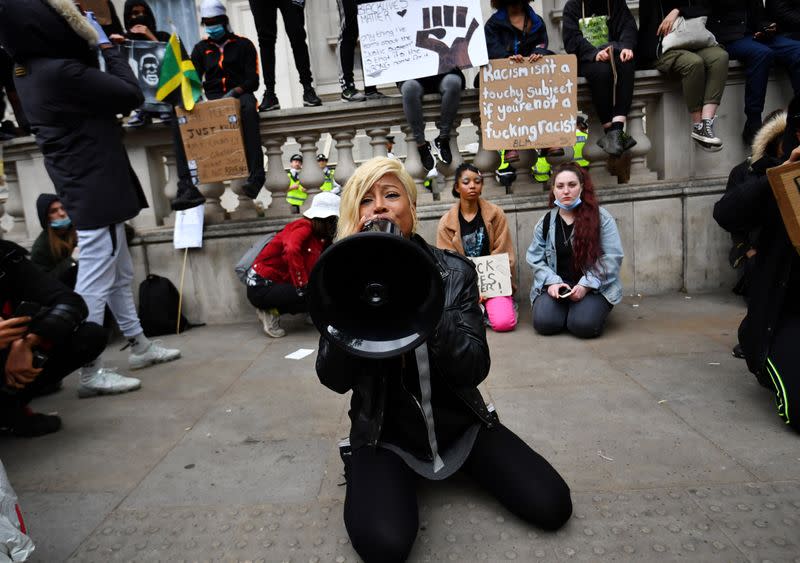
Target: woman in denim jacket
576,254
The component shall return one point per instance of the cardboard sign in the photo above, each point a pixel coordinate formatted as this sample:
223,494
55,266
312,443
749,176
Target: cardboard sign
529,105
785,183
212,139
101,9
404,39
494,275
145,58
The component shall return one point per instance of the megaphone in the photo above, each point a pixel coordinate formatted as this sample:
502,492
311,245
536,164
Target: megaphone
375,294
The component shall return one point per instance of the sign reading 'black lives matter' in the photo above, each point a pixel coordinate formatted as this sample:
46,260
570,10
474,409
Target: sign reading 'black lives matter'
529,105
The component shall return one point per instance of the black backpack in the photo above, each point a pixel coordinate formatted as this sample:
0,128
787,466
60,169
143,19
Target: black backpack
158,307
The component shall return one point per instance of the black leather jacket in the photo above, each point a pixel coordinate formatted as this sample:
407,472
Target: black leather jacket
458,352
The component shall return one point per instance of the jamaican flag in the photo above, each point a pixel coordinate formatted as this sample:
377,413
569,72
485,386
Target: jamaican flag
178,72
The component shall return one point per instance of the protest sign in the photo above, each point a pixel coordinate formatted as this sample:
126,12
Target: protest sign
529,105
101,10
404,39
188,231
212,139
494,275
145,59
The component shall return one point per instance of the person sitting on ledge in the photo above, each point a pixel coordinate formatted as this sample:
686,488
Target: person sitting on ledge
400,432
276,282
43,338
576,255
54,250
476,227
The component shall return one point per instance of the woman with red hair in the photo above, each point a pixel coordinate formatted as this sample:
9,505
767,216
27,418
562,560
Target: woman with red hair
576,254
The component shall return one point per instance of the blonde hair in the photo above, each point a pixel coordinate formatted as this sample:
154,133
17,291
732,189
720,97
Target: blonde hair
361,181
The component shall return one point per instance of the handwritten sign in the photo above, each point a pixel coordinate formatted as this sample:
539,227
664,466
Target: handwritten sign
405,39
212,139
494,275
529,105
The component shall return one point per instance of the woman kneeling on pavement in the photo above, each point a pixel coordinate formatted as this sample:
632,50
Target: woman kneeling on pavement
276,282
393,437
476,227
576,255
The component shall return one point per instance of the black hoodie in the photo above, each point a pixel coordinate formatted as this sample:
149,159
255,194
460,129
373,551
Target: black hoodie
148,20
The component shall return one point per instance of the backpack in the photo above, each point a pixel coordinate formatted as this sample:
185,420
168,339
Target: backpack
158,307
546,226
250,255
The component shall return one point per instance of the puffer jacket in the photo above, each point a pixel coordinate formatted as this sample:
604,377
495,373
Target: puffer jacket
458,352
504,40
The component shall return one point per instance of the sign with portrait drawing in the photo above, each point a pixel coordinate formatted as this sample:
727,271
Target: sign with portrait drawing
145,59
529,105
404,39
494,275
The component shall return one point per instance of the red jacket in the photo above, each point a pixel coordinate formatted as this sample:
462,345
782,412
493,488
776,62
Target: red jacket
289,257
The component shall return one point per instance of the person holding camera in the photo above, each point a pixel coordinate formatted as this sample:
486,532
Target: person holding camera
576,255
43,338
477,227
276,282
228,65
420,414
744,28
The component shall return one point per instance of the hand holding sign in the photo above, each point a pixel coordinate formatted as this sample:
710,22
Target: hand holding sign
435,21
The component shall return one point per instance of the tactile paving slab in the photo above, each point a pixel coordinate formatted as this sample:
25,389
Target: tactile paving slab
460,523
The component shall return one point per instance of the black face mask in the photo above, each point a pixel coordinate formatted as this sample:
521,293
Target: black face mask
139,20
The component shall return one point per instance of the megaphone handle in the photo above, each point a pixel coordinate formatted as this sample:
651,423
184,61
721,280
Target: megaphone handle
424,369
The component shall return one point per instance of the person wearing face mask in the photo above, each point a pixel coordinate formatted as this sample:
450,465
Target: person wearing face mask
228,65
576,255
420,415
476,227
276,282
55,249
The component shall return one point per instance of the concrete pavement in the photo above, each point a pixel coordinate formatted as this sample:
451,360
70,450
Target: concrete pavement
672,450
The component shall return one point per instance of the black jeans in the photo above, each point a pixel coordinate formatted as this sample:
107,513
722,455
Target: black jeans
600,77
380,507
265,14
585,318
83,346
280,296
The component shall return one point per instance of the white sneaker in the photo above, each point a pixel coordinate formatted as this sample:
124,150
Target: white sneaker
155,354
271,320
104,381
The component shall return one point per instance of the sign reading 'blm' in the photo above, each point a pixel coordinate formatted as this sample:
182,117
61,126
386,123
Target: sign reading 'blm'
405,39
529,105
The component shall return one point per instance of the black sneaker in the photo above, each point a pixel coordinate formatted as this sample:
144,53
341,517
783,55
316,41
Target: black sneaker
703,132
371,93
252,188
613,142
426,156
28,424
443,146
737,352
165,117
269,102
310,98
187,198
751,127
351,94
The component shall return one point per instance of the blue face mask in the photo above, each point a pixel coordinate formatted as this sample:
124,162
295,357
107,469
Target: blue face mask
569,207
61,223
215,31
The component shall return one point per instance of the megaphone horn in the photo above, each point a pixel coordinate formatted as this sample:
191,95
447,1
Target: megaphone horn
376,294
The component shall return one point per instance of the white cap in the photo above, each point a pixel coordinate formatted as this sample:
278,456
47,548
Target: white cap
324,205
211,9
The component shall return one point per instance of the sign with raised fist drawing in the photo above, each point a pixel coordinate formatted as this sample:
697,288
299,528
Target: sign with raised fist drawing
404,39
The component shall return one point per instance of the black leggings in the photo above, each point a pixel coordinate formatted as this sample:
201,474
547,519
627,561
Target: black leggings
783,369
380,507
600,77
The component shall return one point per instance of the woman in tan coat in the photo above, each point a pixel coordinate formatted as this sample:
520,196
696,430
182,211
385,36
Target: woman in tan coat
475,227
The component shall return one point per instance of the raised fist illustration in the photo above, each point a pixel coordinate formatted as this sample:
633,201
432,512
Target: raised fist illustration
435,22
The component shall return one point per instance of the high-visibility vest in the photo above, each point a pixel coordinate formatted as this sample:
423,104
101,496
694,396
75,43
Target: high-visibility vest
541,169
329,182
503,163
296,195
577,149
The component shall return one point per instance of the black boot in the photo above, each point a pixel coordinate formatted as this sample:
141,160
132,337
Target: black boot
613,142
187,198
253,187
310,98
269,102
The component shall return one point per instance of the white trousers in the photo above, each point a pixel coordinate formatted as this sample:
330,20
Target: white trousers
105,273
